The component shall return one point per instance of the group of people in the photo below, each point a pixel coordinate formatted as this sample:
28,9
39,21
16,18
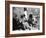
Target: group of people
23,24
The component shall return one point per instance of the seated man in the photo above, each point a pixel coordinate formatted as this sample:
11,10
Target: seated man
30,19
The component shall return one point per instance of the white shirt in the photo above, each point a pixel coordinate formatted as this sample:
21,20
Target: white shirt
25,14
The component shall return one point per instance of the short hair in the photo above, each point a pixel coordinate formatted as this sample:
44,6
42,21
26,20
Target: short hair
22,15
25,9
30,16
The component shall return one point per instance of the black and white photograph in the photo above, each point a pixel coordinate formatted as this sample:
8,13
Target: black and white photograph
25,18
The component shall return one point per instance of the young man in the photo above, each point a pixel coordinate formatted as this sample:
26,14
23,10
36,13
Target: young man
25,20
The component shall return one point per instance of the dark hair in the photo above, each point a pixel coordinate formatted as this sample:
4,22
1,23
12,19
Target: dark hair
25,9
22,15
30,16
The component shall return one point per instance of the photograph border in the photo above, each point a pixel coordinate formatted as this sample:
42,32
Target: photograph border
7,18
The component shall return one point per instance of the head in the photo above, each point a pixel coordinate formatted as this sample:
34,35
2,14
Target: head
22,16
30,16
25,9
